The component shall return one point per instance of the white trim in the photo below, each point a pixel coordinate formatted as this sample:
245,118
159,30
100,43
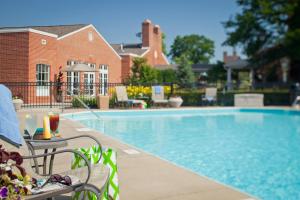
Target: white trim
106,41
72,33
145,52
91,26
129,54
17,30
164,56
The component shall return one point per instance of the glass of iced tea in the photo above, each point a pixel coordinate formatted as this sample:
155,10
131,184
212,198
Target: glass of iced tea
54,121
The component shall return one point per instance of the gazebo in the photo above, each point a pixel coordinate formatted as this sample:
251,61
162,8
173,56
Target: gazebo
238,65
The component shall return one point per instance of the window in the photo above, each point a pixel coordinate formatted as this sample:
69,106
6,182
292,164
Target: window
73,83
42,79
90,36
89,79
103,79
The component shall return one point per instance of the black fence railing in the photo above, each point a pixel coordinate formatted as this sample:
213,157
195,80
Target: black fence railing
53,94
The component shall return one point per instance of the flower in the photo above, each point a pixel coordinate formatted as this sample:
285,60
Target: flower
3,192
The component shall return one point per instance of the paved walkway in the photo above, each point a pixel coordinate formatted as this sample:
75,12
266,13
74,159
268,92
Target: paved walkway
143,176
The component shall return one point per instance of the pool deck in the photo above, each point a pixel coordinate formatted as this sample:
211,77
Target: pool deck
143,176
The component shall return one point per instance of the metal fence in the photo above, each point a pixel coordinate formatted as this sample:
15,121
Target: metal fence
61,95
53,94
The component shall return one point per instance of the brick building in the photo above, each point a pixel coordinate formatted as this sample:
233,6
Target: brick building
150,48
35,54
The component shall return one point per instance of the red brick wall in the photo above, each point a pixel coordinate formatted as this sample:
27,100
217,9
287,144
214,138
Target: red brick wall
152,38
230,58
42,54
126,66
78,47
14,57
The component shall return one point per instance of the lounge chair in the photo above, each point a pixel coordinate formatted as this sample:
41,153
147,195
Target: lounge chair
158,97
83,179
296,102
210,96
122,97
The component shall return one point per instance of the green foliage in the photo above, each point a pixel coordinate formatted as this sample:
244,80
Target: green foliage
142,73
217,73
197,48
167,76
185,75
89,101
266,24
163,45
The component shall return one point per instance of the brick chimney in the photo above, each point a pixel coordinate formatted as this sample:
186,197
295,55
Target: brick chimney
147,33
230,58
157,37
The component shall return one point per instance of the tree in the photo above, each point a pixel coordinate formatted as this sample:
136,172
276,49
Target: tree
167,76
217,73
266,30
142,73
196,48
185,75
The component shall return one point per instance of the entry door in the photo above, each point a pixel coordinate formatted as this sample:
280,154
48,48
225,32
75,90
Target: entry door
89,79
103,79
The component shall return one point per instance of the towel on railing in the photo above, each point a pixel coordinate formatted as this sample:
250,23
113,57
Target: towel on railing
9,125
157,89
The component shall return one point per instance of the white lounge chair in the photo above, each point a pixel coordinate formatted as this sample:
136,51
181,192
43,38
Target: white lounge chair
210,95
296,103
158,96
122,97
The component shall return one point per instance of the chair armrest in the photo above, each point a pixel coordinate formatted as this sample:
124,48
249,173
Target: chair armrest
65,151
70,138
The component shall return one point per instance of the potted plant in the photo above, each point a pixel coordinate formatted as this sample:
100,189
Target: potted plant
175,101
18,102
13,185
59,82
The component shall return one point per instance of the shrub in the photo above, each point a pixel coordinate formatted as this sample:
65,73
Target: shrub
89,101
271,98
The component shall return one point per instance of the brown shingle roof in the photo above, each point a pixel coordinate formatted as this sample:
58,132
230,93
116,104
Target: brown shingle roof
129,49
59,30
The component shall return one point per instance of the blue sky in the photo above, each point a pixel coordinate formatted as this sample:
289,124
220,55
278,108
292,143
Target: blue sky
119,20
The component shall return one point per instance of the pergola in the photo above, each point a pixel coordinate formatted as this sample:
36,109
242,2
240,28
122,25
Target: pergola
238,65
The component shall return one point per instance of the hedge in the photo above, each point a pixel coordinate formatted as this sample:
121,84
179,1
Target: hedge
89,101
271,98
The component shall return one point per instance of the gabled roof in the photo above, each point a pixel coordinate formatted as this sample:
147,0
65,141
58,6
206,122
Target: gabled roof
59,30
238,64
124,49
201,67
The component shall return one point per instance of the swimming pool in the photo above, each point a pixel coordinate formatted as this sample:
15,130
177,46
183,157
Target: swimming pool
254,150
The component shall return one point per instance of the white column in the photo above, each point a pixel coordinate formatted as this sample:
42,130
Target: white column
229,81
285,75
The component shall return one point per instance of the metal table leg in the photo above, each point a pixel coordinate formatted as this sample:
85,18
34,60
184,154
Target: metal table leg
45,162
51,162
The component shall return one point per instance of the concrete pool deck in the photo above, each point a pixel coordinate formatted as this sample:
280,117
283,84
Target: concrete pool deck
142,176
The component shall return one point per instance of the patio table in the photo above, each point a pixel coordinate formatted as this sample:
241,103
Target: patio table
45,145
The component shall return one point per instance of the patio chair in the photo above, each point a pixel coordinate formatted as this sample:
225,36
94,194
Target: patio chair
122,97
210,96
83,179
158,96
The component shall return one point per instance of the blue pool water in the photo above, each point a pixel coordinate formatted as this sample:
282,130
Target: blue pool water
256,151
